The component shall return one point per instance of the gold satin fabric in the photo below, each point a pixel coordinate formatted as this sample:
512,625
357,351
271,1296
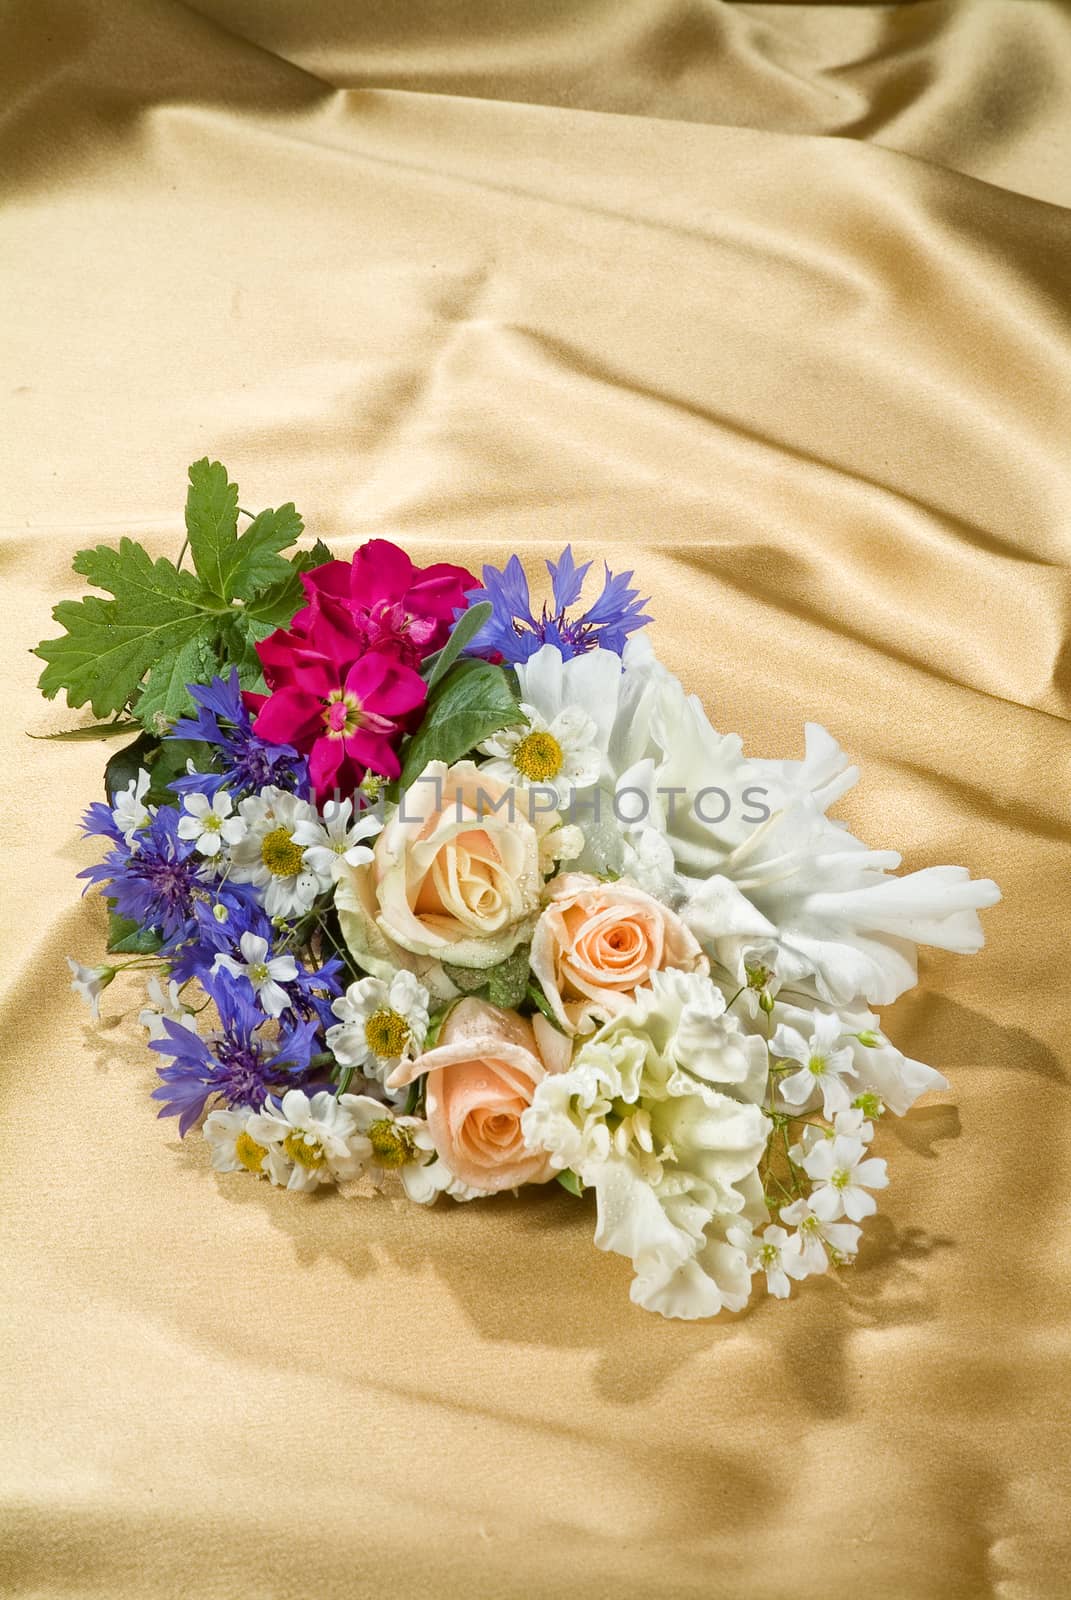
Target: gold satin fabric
770,302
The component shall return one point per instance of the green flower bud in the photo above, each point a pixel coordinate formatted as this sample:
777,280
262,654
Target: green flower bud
870,1104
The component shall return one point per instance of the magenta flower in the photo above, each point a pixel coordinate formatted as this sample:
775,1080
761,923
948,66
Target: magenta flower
384,599
347,716
343,680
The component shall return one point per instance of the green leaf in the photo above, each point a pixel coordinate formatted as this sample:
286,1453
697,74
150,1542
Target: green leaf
229,566
170,624
255,561
165,696
125,764
274,606
435,1025
467,979
239,650
535,994
212,523
466,628
111,644
570,1181
169,762
127,938
472,702
92,730
508,982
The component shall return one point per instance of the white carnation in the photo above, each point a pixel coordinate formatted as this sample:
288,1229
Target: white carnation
659,1114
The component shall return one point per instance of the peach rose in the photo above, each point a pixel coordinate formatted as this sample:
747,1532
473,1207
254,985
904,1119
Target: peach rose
451,879
482,1074
596,943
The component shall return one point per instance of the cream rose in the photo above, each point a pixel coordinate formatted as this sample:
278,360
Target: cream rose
481,1077
596,943
451,878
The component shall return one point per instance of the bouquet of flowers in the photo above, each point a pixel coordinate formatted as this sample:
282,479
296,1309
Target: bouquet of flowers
440,889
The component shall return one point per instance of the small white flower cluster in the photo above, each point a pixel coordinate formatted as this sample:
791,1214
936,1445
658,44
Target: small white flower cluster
841,1175
279,843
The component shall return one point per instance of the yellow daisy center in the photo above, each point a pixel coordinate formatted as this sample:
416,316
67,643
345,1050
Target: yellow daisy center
392,1146
538,756
386,1033
249,1152
282,857
304,1150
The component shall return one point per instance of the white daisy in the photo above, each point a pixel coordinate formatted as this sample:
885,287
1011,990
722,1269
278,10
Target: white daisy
380,1024
841,1178
571,707
266,973
318,1136
165,1006
130,813
269,857
332,840
560,754
234,1149
209,823
89,983
823,1063
398,1144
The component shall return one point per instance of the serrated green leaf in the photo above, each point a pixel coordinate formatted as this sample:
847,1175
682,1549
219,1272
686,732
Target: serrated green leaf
93,730
127,938
169,624
239,647
508,982
255,563
165,696
275,606
212,523
472,702
466,628
318,556
110,644
230,566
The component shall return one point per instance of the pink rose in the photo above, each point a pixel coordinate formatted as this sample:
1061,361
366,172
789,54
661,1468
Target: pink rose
482,1074
596,943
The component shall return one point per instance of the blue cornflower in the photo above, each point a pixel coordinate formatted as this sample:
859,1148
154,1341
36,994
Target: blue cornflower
248,763
515,634
312,992
99,823
220,917
217,930
157,884
238,1063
